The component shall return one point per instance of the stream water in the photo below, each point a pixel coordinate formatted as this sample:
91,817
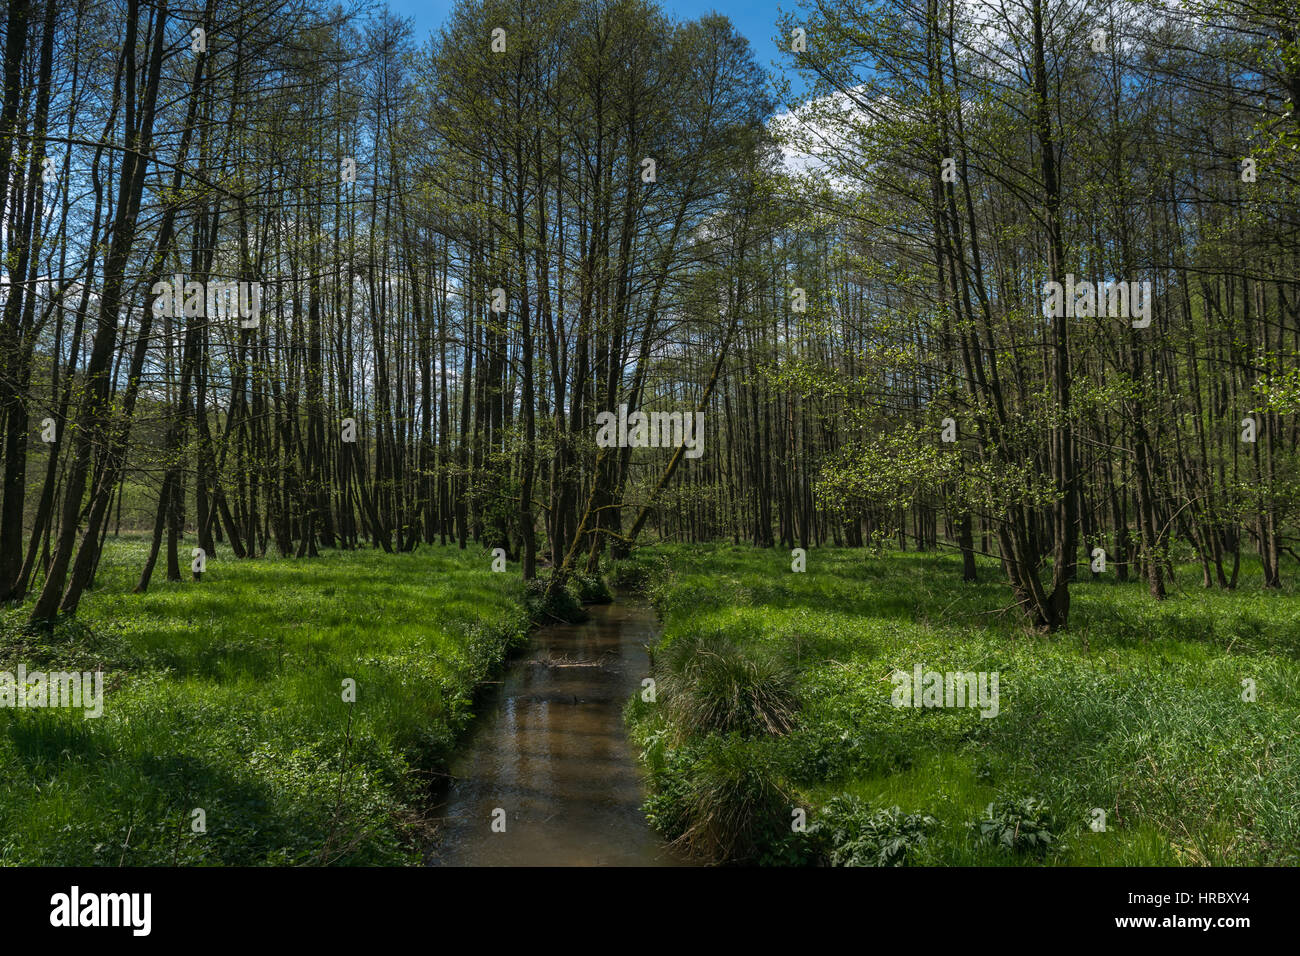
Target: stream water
550,750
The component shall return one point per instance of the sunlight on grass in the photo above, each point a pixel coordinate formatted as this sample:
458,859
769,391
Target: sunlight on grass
1137,709
226,695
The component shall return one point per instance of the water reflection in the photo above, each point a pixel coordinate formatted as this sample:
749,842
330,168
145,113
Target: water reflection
550,749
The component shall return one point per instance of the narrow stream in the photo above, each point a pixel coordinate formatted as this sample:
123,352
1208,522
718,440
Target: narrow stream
550,749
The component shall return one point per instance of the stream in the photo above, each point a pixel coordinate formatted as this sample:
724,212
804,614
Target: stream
550,750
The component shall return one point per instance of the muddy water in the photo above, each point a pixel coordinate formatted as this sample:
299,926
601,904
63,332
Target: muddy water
550,750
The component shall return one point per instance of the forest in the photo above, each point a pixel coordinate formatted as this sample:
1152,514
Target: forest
924,331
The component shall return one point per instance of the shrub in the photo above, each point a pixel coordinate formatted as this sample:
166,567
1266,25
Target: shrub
1020,826
546,608
629,575
710,686
849,832
589,589
823,751
719,802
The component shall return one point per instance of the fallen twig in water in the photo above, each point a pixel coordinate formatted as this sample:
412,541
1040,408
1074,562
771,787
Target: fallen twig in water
567,662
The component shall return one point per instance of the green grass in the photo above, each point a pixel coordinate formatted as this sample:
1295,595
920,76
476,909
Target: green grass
1136,709
227,695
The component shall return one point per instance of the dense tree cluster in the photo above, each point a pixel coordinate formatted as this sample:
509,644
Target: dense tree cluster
279,275
986,166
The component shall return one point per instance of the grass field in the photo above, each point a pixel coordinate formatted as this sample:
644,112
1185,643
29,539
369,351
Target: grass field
1136,710
227,696
774,703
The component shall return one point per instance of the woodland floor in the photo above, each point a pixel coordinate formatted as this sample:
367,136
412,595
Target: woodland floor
227,695
1137,709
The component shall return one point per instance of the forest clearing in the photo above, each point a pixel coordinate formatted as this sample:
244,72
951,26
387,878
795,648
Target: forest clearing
441,435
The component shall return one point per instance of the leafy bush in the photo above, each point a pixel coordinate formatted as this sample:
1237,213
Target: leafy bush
630,575
1021,826
824,751
589,589
670,770
546,608
849,832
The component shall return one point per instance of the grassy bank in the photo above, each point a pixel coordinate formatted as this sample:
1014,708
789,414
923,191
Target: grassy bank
775,694
227,696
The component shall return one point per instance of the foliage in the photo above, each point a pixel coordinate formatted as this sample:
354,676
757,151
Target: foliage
719,800
1020,826
225,695
1137,710
547,606
711,685
848,831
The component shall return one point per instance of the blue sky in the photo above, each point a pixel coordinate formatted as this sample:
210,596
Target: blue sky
756,19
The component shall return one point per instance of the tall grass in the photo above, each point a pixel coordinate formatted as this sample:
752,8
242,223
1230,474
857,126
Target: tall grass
227,696
710,685
1136,710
